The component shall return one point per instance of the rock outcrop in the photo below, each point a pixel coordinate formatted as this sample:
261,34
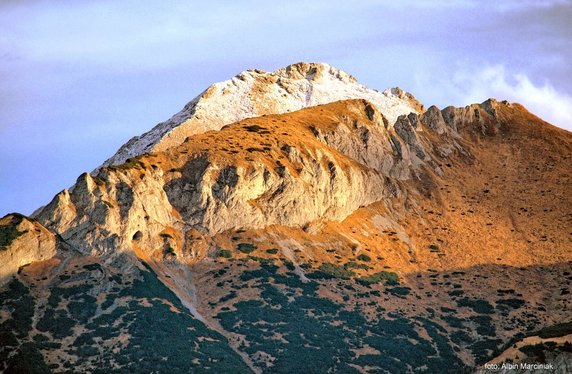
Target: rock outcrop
295,169
23,241
321,163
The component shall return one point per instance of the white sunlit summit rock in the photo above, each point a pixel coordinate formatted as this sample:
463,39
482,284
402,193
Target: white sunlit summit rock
254,93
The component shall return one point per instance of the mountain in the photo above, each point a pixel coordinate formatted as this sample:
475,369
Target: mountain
255,93
297,221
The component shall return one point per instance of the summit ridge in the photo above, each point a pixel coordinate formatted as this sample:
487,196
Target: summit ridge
254,93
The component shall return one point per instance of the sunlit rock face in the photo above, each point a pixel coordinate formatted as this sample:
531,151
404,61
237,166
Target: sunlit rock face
255,93
22,241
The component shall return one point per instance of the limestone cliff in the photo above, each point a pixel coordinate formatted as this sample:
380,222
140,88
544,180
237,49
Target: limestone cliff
296,169
317,164
23,241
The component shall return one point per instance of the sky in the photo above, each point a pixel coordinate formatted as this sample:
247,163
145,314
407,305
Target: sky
78,79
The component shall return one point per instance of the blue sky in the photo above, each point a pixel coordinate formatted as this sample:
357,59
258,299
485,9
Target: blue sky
78,79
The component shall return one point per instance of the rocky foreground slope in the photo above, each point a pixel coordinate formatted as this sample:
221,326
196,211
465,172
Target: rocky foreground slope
362,235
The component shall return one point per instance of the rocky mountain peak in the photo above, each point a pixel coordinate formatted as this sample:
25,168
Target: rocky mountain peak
314,71
255,93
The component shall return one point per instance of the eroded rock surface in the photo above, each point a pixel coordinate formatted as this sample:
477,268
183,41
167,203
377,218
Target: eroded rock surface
255,93
22,241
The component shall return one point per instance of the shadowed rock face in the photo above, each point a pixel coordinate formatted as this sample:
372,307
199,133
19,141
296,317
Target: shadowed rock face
96,315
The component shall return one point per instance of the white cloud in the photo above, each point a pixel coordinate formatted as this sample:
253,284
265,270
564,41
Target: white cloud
495,82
